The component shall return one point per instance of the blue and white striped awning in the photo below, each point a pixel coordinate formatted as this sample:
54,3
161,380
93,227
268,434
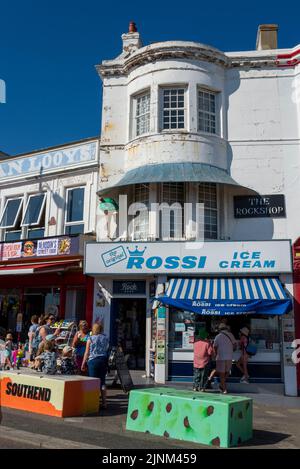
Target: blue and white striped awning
225,296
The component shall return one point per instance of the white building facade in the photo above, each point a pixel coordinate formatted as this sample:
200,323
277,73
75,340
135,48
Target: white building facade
183,122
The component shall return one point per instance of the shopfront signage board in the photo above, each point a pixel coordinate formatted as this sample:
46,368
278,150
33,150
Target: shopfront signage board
236,257
46,247
128,287
47,162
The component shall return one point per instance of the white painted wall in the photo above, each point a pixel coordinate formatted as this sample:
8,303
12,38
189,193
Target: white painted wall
55,185
258,136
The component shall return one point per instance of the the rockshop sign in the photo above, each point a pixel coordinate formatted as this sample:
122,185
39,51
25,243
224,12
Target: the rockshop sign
261,206
180,257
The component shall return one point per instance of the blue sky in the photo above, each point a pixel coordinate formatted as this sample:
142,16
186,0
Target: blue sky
48,50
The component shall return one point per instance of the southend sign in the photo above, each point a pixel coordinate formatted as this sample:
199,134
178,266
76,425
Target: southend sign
179,257
29,392
46,162
262,206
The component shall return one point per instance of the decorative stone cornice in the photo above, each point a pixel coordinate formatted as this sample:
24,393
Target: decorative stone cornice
169,50
127,62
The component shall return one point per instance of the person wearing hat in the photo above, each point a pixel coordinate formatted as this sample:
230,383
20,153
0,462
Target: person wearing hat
242,362
224,345
67,361
202,355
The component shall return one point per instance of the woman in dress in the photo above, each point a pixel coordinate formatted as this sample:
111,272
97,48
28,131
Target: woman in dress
79,342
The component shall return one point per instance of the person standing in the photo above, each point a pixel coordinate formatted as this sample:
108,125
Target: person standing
96,358
79,342
31,335
203,351
242,362
224,345
8,351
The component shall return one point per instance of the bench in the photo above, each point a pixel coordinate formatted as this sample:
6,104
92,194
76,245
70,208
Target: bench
207,418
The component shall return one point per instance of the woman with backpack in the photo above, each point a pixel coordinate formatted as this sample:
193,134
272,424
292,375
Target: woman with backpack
242,362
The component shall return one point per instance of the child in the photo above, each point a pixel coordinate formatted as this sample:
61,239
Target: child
67,362
8,351
20,355
203,351
47,360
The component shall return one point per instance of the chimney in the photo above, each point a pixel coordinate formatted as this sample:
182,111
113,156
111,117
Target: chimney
131,40
266,36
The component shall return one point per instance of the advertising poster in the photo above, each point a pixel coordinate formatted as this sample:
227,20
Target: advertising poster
188,339
11,250
47,247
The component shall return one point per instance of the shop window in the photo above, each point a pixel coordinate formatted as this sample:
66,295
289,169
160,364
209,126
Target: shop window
207,111
207,194
172,218
74,220
173,108
265,333
141,112
141,221
11,212
184,326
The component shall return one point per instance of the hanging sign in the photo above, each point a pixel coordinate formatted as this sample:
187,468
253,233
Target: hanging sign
128,287
259,206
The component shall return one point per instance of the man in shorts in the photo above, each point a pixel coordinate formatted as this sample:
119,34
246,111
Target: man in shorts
224,345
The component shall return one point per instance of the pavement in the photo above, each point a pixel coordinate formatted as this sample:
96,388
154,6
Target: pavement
276,424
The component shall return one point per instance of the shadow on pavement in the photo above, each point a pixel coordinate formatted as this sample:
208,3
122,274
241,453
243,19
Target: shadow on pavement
264,438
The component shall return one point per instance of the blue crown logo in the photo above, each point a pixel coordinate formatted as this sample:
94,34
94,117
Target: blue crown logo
136,252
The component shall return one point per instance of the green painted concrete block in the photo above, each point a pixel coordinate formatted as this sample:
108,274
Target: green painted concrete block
210,419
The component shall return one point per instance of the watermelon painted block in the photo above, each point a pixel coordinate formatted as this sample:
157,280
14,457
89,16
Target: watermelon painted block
211,419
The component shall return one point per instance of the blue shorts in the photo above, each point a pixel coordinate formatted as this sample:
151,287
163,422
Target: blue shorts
98,368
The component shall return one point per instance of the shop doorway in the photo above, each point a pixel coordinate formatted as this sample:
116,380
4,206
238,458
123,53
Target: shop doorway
128,329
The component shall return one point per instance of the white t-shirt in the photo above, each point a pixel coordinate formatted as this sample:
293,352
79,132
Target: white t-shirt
224,341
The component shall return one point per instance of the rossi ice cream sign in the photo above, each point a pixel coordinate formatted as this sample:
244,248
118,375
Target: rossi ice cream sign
177,257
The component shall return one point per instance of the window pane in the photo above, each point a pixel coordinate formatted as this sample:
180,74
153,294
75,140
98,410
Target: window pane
74,229
12,235
141,221
33,209
173,111
207,112
75,204
36,234
142,114
10,213
207,194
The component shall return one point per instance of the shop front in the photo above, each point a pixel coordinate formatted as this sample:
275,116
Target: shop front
41,277
196,286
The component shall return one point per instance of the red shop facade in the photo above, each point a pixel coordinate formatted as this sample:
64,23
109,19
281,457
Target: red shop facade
40,277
